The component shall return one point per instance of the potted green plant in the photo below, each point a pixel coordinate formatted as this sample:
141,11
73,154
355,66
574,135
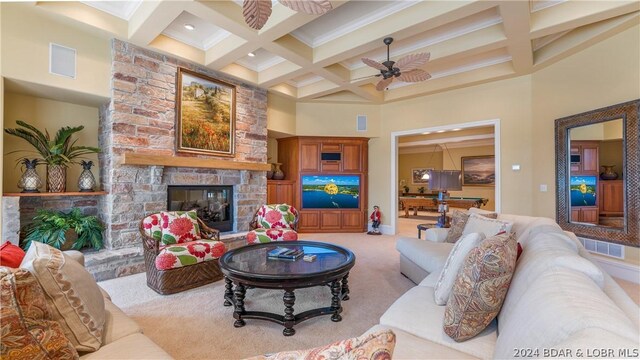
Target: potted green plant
58,153
64,231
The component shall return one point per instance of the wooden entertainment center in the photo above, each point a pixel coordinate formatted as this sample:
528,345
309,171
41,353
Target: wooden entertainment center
321,156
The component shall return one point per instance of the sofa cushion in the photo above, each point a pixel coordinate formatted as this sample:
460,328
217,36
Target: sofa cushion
453,264
458,221
431,279
117,324
190,253
261,235
559,304
376,345
480,287
416,313
482,224
72,294
428,255
28,329
179,227
10,255
132,347
411,347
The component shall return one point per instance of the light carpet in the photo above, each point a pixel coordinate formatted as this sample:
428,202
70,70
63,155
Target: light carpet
195,325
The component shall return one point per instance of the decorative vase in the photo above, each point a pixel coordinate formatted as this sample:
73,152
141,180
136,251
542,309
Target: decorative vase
270,173
56,178
277,172
608,173
86,181
30,181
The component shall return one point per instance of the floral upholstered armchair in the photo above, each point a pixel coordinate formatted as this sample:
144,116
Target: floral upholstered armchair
180,251
277,222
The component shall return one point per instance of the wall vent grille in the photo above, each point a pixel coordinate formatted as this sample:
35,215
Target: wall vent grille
603,248
361,123
62,60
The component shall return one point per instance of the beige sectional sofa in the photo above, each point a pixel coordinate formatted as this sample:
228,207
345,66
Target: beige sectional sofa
559,303
122,338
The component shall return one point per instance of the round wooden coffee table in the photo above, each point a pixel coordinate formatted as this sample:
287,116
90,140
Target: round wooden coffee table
249,266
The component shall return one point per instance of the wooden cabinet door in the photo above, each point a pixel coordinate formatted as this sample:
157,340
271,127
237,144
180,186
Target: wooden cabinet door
611,197
352,220
575,214
310,157
330,220
351,158
284,194
589,215
309,220
272,193
590,158
331,166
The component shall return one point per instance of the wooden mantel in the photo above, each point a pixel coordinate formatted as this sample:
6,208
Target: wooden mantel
184,161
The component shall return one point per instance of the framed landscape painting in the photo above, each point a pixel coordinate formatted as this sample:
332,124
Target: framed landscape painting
416,176
478,171
206,116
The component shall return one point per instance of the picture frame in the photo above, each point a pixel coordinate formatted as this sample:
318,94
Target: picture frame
478,170
205,114
416,176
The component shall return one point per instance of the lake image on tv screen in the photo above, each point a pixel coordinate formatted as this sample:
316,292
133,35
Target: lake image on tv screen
330,192
583,190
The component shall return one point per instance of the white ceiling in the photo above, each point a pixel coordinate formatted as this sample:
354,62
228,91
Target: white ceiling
317,58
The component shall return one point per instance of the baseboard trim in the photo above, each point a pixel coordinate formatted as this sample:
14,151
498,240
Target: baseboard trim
619,269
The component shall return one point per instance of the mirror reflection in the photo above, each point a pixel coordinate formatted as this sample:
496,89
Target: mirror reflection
596,182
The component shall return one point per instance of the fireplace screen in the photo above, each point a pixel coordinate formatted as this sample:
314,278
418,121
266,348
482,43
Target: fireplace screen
214,204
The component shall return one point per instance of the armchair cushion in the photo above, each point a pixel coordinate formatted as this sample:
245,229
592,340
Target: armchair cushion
184,254
276,216
260,235
179,227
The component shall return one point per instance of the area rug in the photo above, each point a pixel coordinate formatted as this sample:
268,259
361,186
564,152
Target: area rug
195,325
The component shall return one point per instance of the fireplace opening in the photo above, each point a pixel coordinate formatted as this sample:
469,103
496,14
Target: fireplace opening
213,203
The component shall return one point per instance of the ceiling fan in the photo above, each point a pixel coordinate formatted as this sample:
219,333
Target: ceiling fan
257,12
405,69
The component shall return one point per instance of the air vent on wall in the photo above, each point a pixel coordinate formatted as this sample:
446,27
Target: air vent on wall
362,123
603,248
62,60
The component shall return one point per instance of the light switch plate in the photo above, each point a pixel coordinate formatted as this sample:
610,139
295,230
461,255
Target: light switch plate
543,187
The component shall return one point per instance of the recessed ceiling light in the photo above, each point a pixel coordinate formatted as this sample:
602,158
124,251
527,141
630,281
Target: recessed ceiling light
251,54
458,129
440,131
426,133
189,27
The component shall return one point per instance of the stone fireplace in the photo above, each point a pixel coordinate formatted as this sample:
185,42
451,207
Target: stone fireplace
140,119
213,204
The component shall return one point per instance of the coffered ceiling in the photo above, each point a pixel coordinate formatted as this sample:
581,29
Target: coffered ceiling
317,58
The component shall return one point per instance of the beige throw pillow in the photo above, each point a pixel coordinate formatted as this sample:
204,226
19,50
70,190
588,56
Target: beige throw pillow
72,293
453,264
458,222
480,287
482,224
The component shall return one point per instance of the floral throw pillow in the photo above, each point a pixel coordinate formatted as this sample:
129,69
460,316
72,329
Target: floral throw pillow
179,227
28,329
480,287
277,216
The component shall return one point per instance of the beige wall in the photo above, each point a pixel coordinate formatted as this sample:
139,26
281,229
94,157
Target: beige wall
406,162
471,191
318,119
281,114
50,115
602,75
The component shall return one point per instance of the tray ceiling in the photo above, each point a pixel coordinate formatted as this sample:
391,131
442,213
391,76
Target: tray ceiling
317,58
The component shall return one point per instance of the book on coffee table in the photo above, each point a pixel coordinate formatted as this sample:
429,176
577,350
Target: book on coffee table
284,253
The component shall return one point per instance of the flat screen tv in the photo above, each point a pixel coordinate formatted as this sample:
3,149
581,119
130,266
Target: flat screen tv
583,190
330,191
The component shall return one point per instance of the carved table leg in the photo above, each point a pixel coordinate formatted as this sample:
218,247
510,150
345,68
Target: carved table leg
345,288
335,301
289,319
239,305
228,292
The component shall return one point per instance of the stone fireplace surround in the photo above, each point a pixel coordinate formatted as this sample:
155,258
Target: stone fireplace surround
140,119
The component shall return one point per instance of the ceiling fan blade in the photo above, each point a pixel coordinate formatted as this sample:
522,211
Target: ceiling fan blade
256,12
374,64
414,75
412,61
311,7
382,84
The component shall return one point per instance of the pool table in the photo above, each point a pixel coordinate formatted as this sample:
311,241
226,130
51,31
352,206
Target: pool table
431,201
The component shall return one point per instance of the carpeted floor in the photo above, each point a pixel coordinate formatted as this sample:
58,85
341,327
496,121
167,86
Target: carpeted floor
194,324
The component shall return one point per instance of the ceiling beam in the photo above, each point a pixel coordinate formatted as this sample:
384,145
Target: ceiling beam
516,28
151,18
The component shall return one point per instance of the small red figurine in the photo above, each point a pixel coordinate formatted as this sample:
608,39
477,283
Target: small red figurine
375,220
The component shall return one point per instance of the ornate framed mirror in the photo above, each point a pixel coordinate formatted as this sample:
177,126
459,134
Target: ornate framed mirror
597,155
